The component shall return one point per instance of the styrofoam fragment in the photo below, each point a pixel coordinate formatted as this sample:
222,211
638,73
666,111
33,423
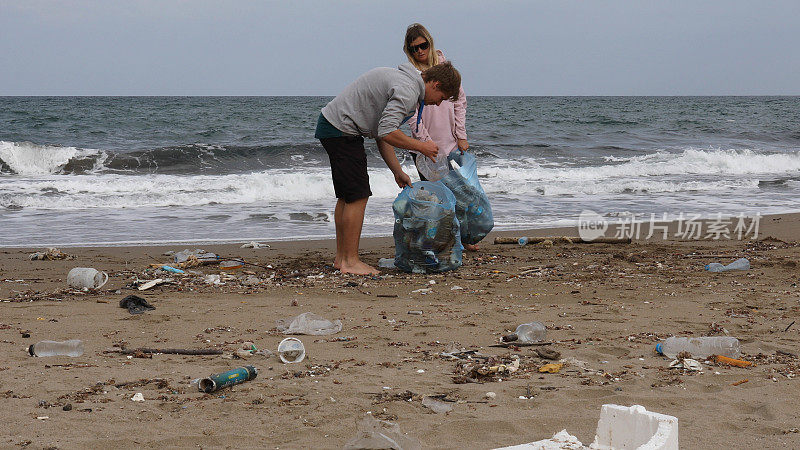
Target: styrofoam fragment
622,428
560,441
619,428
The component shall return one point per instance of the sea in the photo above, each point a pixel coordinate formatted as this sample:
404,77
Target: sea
192,170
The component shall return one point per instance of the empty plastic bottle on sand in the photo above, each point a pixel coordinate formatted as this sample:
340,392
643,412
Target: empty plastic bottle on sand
522,241
72,347
739,264
528,332
700,347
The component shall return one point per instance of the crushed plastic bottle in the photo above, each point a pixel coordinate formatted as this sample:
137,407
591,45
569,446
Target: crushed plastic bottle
386,263
73,348
202,256
522,241
739,264
528,333
700,347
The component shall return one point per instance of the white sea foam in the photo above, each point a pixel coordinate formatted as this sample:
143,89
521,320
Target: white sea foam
136,191
26,158
689,162
630,186
690,171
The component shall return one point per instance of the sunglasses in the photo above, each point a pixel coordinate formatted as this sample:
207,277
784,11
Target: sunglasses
415,48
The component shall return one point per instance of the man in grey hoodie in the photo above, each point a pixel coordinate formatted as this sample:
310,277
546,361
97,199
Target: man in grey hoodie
375,106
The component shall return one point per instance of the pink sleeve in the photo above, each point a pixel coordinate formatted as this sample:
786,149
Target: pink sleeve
460,110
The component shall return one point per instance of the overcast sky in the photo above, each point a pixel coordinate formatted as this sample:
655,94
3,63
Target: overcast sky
299,47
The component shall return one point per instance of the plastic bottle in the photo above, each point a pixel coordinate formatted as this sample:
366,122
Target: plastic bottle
430,259
739,264
72,347
700,347
522,241
528,332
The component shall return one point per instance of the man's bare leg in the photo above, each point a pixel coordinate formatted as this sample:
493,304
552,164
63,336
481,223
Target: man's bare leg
352,220
337,220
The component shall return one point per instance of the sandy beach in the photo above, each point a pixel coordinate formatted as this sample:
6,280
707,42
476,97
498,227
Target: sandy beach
605,307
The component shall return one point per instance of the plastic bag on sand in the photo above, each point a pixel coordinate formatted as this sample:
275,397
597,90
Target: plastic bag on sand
379,434
473,210
309,323
426,233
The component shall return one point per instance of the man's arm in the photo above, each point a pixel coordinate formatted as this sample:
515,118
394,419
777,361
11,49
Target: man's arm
387,153
400,140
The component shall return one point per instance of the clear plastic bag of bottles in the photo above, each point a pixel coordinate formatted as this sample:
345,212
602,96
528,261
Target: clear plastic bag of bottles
473,210
426,230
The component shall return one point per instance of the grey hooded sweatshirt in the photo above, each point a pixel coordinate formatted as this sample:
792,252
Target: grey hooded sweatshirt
377,103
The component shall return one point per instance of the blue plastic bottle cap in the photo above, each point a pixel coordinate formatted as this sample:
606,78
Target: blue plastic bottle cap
658,349
708,267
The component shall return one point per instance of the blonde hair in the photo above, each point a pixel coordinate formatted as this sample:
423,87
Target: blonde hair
415,31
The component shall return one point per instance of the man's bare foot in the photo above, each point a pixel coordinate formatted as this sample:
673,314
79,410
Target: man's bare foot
471,247
358,268
337,264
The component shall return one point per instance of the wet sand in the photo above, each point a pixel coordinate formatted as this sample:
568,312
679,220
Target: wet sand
605,307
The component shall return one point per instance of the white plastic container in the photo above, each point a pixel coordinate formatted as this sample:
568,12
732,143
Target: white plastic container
291,350
634,427
86,277
619,428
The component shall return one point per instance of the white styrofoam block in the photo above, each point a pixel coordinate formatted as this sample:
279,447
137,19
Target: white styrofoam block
619,428
560,441
623,428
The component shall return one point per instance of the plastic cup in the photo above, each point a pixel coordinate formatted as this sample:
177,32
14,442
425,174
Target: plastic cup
291,350
86,277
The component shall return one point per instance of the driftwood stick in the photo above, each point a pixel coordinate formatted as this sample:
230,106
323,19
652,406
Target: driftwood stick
170,351
140,382
520,344
562,240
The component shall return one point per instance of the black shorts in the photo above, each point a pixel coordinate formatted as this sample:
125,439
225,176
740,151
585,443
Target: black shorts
348,167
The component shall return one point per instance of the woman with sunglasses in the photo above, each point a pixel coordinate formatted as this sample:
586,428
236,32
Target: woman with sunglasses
443,124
